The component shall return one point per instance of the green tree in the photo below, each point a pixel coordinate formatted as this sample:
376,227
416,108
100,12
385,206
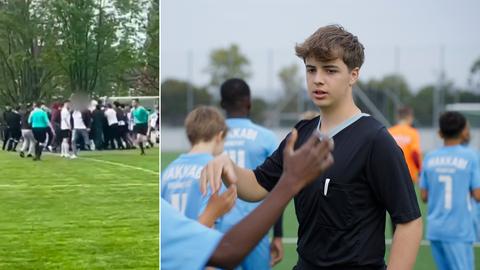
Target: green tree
149,75
290,79
424,101
259,110
227,63
174,100
51,48
292,85
97,42
422,105
24,77
388,94
475,75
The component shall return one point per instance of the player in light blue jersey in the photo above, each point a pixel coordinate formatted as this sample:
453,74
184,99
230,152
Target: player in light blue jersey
206,131
449,177
248,145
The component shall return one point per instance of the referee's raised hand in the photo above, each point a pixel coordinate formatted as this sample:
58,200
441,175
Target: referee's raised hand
304,165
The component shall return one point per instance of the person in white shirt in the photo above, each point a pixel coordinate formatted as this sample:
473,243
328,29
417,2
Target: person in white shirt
80,128
131,135
153,121
112,130
65,129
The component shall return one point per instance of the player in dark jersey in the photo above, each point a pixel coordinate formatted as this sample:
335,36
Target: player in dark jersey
342,214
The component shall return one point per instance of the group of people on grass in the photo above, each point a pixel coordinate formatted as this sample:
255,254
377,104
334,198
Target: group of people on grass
69,127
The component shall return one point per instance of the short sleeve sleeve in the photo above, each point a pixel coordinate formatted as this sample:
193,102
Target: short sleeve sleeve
185,243
390,179
269,172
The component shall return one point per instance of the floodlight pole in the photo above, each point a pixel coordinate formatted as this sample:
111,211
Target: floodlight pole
438,92
190,97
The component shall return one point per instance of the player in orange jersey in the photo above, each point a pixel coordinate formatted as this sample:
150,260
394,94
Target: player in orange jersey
408,139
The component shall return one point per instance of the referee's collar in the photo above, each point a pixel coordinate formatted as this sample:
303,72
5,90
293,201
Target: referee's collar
342,125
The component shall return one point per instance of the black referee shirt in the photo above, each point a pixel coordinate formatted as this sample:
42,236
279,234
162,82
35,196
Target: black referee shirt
342,214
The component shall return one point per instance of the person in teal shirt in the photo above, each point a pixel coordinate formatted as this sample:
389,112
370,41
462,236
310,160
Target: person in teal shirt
140,128
40,124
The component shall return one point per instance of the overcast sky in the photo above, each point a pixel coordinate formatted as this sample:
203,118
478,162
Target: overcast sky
267,31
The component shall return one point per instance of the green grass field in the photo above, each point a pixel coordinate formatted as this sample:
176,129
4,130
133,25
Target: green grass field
290,225
99,211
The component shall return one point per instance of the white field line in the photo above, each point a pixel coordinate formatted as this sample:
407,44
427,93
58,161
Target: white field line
112,163
120,165
76,185
293,240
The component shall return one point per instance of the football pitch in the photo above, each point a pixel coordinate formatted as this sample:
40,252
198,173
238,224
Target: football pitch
99,211
424,258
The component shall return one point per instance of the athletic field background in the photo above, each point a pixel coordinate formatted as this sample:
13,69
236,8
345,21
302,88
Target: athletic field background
99,211
424,258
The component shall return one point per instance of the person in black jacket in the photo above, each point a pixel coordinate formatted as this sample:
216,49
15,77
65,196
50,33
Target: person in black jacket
6,132
13,119
98,120
123,124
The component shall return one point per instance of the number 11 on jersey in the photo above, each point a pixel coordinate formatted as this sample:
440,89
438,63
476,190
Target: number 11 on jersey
238,156
179,202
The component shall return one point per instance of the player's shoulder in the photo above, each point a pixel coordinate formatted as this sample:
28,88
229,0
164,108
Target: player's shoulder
370,121
372,132
307,124
430,154
186,162
371,128
249,124
469,152
263,130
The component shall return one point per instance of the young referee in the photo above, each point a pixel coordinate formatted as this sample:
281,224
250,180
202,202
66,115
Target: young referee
342,214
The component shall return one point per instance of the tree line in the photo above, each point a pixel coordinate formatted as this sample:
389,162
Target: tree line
50,49
387,93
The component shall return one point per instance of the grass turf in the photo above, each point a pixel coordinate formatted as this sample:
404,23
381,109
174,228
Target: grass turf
99,211
290,225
